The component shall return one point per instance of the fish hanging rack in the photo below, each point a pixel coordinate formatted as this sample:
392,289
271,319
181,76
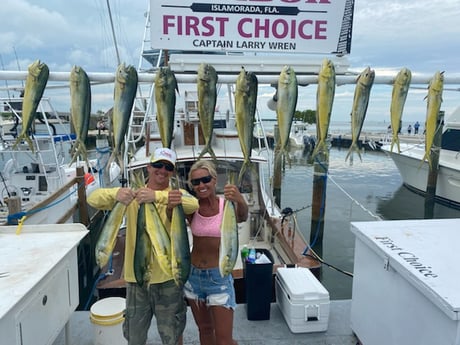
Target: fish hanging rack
98,77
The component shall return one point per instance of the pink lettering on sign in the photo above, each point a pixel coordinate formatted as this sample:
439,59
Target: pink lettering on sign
281,28
194,26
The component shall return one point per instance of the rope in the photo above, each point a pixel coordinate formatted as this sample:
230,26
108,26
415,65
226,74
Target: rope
21,216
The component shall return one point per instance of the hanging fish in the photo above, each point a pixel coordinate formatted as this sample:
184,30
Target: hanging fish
358,113
398,99
180,246
80,111
228,250
286,105
125,93
434,100
245,109
36,81
207,98
142,249
324,101
165,98
159,237
107,239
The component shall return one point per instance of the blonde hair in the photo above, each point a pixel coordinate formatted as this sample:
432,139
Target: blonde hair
202,164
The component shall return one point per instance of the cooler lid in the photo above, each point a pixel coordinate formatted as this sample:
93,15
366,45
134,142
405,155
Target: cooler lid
301,283
422,251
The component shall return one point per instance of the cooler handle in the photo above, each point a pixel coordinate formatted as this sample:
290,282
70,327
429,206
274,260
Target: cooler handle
312,312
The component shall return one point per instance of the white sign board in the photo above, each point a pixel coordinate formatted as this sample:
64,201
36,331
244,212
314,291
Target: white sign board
295,26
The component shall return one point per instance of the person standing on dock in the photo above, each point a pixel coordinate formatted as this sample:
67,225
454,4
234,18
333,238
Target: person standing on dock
211,296
160,296
409,129
416,127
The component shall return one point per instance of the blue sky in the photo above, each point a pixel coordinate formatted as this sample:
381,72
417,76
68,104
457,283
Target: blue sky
421,35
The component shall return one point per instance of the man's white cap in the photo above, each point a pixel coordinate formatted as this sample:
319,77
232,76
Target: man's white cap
164,154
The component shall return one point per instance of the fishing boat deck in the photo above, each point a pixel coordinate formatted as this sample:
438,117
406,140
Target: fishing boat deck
267,332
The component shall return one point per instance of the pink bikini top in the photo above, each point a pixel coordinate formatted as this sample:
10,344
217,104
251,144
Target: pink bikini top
208,226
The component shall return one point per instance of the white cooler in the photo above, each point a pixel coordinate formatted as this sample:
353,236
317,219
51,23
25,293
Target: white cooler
406,285
302,299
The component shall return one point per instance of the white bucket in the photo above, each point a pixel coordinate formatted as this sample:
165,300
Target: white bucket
107,318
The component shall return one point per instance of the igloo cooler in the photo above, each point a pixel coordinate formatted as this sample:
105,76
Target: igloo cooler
302,299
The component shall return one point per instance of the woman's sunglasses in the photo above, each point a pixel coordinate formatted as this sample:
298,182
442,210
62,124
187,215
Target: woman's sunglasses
166,165
197,181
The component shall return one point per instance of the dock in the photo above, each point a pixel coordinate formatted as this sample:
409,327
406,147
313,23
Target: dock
266,332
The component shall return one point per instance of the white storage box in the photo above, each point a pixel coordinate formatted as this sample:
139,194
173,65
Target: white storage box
302,299
406,286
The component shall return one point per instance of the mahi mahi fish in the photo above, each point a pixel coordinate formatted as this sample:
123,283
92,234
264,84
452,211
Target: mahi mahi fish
80,94
398,99
165,98
434,100
161,242
228,251
124,95
207,97
245,109
37,77
143,246
358,113
142,249
107,239
180,246
285,106
324,101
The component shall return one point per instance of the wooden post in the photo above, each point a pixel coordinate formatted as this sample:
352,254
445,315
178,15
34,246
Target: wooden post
82,205
277,167
434,168
318,211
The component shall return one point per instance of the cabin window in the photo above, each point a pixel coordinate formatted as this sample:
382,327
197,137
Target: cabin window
451,140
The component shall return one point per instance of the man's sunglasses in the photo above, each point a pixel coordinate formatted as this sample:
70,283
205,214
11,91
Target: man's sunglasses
166,165
197,181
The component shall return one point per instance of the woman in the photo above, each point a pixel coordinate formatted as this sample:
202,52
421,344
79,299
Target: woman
211,297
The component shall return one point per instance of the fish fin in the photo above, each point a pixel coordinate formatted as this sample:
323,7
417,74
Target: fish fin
208,149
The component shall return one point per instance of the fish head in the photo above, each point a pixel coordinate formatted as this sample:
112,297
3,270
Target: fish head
437,82
207,73
327,69
38,70
366,77
287,76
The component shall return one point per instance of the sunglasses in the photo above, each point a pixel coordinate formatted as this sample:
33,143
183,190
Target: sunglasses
166,165
197,181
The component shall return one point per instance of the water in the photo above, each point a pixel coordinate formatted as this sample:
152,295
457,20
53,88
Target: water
365,191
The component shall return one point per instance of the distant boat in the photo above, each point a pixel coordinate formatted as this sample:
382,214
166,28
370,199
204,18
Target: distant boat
415,176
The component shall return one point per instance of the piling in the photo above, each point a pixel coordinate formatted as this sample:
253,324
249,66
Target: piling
318,211
277,168
433,168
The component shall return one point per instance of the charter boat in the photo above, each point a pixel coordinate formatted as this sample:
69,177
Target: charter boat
414,171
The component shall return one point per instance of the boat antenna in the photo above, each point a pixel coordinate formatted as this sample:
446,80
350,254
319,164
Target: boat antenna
17,63
113,32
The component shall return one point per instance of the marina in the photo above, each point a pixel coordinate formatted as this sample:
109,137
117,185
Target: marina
341,240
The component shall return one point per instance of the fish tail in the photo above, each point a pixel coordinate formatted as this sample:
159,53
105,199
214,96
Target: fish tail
208,149
27,139
426,157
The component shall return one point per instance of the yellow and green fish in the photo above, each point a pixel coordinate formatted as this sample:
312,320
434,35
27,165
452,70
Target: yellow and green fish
37,78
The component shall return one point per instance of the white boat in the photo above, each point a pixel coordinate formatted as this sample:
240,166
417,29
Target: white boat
302,136
414,172
37,187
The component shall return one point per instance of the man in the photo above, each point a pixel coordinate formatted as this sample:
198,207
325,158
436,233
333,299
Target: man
161,297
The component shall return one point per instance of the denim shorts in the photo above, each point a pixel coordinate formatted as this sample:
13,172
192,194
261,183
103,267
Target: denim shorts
209,286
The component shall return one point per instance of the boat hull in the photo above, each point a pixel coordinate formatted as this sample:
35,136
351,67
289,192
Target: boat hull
414,173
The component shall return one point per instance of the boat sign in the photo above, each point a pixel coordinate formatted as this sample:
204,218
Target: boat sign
297,26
